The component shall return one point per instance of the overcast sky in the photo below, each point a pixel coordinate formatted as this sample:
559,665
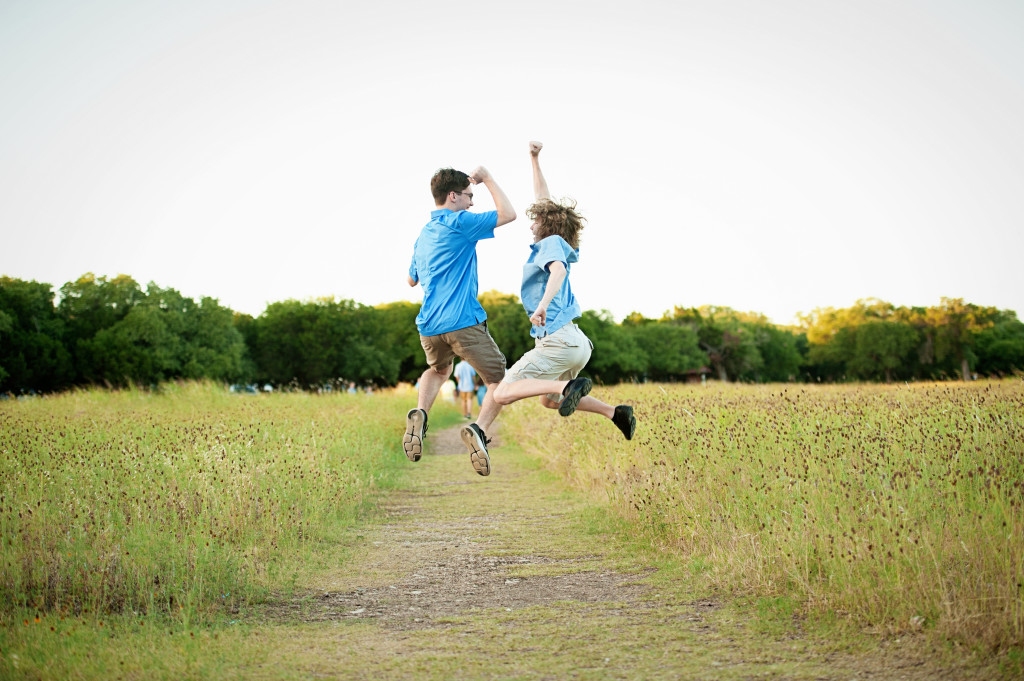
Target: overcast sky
772,156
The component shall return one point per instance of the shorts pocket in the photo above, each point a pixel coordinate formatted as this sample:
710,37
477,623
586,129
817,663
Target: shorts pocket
559,341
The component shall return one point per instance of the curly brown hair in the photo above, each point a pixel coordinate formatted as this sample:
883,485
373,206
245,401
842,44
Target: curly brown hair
558,218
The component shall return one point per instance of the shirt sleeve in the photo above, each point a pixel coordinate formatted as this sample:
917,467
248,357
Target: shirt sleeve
555,249
477,226
413,272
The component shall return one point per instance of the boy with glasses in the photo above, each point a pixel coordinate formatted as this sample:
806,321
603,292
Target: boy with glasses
451,321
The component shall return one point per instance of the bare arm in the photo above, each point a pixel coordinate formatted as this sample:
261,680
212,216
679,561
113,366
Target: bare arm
557,270
506,212
540,185
412,282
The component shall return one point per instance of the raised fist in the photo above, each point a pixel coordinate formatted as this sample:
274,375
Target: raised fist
479,174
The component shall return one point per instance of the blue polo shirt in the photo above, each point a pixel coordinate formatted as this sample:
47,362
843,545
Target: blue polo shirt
464,373
444,263
563,308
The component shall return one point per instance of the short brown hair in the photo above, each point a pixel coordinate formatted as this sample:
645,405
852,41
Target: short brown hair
447,180
558,218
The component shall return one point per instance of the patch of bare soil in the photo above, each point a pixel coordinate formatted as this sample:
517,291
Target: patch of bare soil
444,564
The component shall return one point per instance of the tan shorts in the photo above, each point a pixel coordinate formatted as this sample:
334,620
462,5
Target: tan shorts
473,344
559,356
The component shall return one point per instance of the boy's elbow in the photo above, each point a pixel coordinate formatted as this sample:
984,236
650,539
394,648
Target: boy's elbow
505,217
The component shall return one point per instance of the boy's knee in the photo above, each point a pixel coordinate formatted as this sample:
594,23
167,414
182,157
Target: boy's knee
500,394
444,371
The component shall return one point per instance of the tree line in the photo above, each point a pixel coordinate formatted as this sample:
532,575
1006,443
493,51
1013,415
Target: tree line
114,332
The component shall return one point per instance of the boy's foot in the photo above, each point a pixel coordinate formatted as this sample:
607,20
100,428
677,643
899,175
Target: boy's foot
625,420
415,430
576,390
476,441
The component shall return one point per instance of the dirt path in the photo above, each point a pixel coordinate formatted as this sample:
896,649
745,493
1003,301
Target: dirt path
505,577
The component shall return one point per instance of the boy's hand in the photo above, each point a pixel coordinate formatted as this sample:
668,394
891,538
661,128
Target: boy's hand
535,148
539,317
480,174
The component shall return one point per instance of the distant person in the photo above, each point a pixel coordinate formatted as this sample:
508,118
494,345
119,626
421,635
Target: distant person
481,390
551,369
451,321
448,391
464,374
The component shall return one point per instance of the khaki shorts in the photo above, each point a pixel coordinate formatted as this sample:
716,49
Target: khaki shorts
473,344
559,356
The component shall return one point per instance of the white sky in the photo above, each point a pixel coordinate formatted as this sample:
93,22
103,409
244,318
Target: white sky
767,156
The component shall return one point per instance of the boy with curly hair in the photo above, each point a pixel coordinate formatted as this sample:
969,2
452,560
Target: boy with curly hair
551,369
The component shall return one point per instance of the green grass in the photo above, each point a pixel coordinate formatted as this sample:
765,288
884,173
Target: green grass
181,504
899,507
721,486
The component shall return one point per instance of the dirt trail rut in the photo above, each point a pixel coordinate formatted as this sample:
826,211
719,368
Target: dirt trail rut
459,543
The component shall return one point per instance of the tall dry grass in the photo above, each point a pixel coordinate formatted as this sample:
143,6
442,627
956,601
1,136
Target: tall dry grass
182,502
900,506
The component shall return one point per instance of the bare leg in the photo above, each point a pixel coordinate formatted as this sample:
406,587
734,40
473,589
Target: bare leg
596,406
588,403
490,409
507,393
430,384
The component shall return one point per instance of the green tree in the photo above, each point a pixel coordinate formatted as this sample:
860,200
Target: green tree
89,305
246,326
780,353
671,350
293,341
956,325
729,338
6,326
1000,347
139,349
832,337
92,303
366,356
880,348
123,335
616,356
213,347
312,343
396,332
32,352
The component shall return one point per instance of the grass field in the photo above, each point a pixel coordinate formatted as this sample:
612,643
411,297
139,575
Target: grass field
183,503
156,518
901,507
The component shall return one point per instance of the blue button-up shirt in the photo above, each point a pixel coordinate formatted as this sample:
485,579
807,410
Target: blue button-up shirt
444,263
563,308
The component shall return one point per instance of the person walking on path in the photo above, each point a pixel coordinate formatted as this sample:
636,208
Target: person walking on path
464,374
481,390
451,321
551,369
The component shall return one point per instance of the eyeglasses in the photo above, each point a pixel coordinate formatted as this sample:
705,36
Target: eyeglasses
469,194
